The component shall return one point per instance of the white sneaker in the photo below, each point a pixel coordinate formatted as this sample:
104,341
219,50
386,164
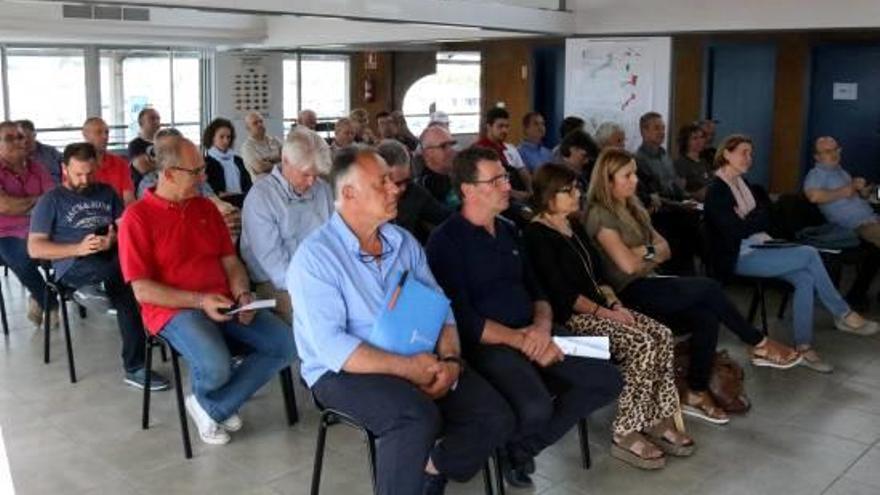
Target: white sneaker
866,329
232,423
209,430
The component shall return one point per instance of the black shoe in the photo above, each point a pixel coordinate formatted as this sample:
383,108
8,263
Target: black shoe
435,484
516,475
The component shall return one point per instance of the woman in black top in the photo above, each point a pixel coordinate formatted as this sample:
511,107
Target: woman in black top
227,175
568,268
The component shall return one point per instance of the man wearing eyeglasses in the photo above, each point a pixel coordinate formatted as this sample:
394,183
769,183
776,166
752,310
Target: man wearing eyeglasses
22,182
438,151
281,210
842,200
432,417
176,252
505,320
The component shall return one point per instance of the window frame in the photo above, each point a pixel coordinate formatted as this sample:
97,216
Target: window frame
298,56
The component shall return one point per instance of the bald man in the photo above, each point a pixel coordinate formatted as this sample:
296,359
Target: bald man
260,151
438,152
112,170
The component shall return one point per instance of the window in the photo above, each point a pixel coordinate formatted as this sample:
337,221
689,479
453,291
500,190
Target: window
48,86
454,89
134,79
324,87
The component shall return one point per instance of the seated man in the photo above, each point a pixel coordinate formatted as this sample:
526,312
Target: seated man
177,253
532,149
495,138
438,151
417,211
260,151
39,152
505,319
112,170
22,182
841,199
149,122
337,280
74,225
286,207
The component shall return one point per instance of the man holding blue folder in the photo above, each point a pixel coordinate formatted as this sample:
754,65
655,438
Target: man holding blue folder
354,281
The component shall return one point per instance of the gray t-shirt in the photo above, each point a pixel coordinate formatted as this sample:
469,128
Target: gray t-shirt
598,218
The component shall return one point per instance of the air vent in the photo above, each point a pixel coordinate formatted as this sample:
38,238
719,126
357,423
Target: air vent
105,13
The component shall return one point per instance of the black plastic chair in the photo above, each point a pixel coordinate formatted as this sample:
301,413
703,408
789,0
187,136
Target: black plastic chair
152,341
59,293
330,417
3,304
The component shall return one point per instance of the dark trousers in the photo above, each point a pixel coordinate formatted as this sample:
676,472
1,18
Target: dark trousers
99,268
13,253
547,401
677,225
470,422
694,305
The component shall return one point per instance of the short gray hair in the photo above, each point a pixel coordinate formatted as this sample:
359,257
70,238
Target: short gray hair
169,151
393,152
605,131
304,147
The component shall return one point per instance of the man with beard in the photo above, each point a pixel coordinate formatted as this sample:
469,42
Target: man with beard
75,226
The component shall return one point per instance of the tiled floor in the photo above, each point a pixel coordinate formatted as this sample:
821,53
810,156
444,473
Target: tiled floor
807,434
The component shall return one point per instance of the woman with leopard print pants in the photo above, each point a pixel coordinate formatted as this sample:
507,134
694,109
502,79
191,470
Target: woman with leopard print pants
564,260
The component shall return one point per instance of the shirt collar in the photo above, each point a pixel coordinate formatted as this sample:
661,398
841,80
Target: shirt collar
151,198
827,166
285,186
386,231
652,151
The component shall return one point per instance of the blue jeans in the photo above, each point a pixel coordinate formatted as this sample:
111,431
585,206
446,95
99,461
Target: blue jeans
13,251
221,390
802,267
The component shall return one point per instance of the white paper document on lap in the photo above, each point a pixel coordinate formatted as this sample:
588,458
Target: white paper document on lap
258,304
591,347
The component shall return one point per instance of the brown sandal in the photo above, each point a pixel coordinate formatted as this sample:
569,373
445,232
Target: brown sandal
701,405
670,440
772,354
636,450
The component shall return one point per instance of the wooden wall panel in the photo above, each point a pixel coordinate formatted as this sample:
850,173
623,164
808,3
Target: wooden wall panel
789,112
504,64
687,83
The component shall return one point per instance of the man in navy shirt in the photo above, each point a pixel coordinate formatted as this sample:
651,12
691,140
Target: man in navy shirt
504,319
74,225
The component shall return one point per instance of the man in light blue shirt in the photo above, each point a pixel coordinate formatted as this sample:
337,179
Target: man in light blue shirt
532,149
281,210
338,280
840,198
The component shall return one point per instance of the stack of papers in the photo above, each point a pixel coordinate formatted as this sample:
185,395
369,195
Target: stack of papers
591,347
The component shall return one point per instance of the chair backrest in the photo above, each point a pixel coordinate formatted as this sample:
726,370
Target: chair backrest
791,213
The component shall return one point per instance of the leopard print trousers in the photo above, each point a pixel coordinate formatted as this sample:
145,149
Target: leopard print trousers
644,351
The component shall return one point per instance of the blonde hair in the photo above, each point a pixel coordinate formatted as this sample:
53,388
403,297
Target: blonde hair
600,195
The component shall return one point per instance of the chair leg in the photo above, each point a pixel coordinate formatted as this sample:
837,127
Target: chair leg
3,313
181,409
753,304
783,304
148,368
289,396
763,302
47,296
319,455
163,353
584,441
69,344
82,310
371,447
487,477
499,476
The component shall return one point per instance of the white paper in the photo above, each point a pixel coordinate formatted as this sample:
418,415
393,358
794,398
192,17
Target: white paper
591,347
258,304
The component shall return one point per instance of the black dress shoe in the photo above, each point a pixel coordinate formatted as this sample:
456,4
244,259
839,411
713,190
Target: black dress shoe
515,474
435,484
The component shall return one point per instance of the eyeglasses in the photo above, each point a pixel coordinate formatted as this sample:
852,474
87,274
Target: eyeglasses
831,151
195,172
386,251
494,181
446,145
11,138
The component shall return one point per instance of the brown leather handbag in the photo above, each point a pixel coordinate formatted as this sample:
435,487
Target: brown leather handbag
726,383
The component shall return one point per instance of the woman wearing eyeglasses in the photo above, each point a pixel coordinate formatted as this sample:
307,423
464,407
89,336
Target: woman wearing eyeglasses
570,271
631,249
227,175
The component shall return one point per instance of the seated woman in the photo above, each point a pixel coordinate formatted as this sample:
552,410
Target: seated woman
737,225
690,165
226,173
631,249
569,270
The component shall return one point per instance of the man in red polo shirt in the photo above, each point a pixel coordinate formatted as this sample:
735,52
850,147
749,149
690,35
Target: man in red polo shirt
177,253
112,169
495,137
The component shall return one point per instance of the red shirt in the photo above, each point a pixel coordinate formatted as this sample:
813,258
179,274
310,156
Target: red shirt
114,172
33,181
485,142
176,244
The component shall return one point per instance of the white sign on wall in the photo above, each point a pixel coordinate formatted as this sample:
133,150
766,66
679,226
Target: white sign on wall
845,91
617,80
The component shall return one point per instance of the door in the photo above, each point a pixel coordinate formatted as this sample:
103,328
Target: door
851,117
740,96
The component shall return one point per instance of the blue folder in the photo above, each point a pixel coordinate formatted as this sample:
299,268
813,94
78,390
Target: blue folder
415,322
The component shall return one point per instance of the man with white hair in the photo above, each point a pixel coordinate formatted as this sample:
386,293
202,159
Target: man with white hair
281,210
610,135
260,151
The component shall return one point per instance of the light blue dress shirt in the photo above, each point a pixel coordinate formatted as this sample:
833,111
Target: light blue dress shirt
534,155
275,220
337,291
850,212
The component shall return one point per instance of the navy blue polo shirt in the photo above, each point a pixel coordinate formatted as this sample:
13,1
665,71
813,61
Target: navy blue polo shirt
485,277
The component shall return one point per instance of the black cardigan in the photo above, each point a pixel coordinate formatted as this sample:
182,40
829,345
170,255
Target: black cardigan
726,230
560,270
217,179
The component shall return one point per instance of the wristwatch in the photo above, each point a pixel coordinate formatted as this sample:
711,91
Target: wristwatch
650,253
